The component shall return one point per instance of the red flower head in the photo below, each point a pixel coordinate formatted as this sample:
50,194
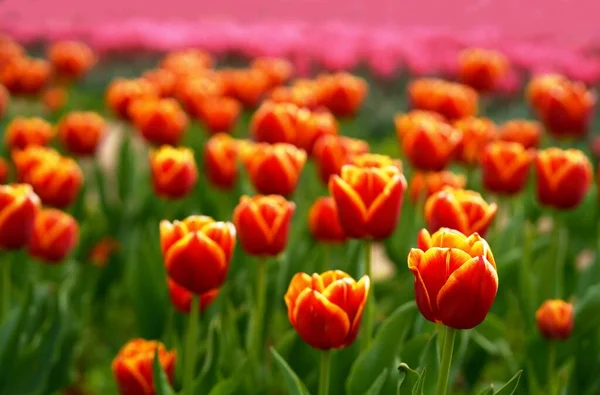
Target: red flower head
25,76
247,85
274,123
342,93
186,61
555,319
19,206
324,223
424,184
174,172
331,152
406,123
24,132
301,96
451,100
522,131
505,167
431,144
55,234
182,298
278,70
482,69
28,159
57,182
4,100
164,81
192,91
159,121
4,171
219,113
81,132
220,160
71,59
121,93
55,98
477,133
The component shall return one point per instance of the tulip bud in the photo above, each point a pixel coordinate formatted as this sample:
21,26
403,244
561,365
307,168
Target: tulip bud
81,132
449,99
71,59
527,133
182,298
424,184
455,278
174,172
274,123
459,209
563,177
406,123
133,366
219,113
326,309
431,145
57,182
332,152
220,161
278,70
324,223
477,133
162,80
19,206
100,254
122,92
159,121
197,252
28,159
342,93
505,167
482,69
55,234
25,76
55,99
555,319
24,132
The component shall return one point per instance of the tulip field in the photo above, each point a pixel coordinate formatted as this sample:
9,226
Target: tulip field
229,225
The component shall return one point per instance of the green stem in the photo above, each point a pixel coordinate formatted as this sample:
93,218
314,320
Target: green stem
444,376
190,347
6,284
325,372
552,390
367,329
561,244
325,261
524,272
256,335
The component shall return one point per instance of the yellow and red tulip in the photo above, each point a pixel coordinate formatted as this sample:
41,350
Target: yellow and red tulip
22,75
55,234
482,69
159,121
449,99
431,144
174,172
81,132
424,184
221,161
522,131
19,206
23,132
505,167
331,152
324,222
555,319
71,59
477,133
121,93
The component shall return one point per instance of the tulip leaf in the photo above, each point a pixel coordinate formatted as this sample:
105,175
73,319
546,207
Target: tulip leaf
430,361
586,312
511,386
408,379
231,385
487,391
419,386
294,385
161,382
383,349
377,385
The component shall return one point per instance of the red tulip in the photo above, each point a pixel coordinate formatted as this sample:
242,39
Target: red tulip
174,172
182,298
505,167
19,206
220,161
555,319
55,234
324,223
332,152
24,132
81,132
482,69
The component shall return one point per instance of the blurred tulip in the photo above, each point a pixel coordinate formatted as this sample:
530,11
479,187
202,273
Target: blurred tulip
412,120
431,144
4,101
555,319
163,80
375,160
482,69
179,62
332,152
220,161
477,133
25,76
595,147
565,107
24,132
263,224
324,223
55,99
505,167
57,182
197,252
278,70
451,100
55,234
311,126
133,366
298,95
71,59
4,171
159,121
455,278
368,199
424,184
248,86
28,159
326,309
102,251
274,123
9,50
19,206
522,131
174,172
459,209
181,298
219,114
122,92
563,177
274,169
80,132
193,91
342,93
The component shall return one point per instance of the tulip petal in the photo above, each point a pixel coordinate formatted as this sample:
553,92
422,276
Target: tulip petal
442,210
129,379
351,210
299,283
255,235
421,295
384,213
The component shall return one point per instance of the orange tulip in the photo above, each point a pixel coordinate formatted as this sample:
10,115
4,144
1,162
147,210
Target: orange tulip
324,223
311,126
431,144
331,152
187,60
55,98
24,132
455,278
326,309
220,161
57,182
563,177
219,114
159,121
274,123
55,234
555,319
482,69
342,93
197,252
525,132
477,133
4,171
4,101
81,132
424,184
459,209
164,81
122,92
368,199
174,172
412,120
301,96
505,167
451,100
193,91
102,251
25,76
274,169
19,206
71,59
278,70
133,366
248,86
28,159
375,160
181,298
9,50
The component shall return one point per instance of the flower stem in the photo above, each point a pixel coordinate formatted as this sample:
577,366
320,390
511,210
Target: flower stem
524,271
325,370
325,260
367,329
552,390
6,284
190,347
561,239
256,341
444,376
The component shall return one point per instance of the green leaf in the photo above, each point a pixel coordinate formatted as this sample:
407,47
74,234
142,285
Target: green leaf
586,312
161,382
430,362
419,386
231,385
375,389
511,386
382,351
294,385
10,332
487,391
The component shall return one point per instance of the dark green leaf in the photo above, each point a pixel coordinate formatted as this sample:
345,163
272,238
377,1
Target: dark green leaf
231,385
511,386
294,385
377,385
10,332
161,382
586,312
408,379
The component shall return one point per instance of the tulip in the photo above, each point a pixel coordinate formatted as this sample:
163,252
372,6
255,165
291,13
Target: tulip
455,278
55,98
424,184
274,123
459,209
71,59
9,49
133,366
505,167
563,177
449,99
28,159
122,92
4,171
342,93
477,133
219,114
164,81
182,298
174,172
197,252
301,96
555,319
19,206
220,161
179,62
311,126
159,121
324,223
482,69
248,86
57,182
193,91
405,123
263,224
24,132
375,160
332,152
4,101
25,76
278,70
55,234
326,309
81,132
430,145
525,132
274,169
100,253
